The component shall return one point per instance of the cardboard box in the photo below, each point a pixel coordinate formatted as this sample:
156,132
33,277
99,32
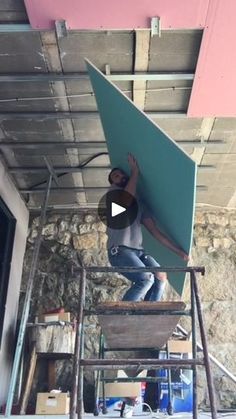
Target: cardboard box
54,317
116,392
116,389
180,346
52,404
53,338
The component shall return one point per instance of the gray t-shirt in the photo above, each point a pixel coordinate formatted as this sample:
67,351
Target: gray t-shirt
130,236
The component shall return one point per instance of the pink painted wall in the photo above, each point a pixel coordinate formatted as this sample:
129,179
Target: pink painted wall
117,14
214,88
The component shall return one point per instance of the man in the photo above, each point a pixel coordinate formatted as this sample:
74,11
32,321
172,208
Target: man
125,245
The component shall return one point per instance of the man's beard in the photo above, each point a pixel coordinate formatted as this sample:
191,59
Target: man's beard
123,182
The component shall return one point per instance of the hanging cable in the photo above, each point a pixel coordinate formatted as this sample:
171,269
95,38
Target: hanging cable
90,94
80,166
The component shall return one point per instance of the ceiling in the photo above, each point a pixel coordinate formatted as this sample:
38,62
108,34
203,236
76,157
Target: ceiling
46,102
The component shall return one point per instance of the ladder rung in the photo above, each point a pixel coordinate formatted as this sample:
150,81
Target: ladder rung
133,379
115,364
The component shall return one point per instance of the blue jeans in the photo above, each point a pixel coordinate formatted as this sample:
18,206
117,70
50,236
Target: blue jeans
145,286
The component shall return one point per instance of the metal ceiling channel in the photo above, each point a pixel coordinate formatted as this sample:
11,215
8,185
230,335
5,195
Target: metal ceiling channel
51,77
90,144
77,115
69,169
76,189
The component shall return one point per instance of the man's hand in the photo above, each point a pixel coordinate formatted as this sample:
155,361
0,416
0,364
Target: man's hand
133,164
132,183
184,256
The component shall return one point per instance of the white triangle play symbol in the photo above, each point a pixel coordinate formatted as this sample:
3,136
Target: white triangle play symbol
116,209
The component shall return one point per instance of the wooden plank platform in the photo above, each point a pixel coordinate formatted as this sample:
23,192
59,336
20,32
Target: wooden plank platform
140,306
148,330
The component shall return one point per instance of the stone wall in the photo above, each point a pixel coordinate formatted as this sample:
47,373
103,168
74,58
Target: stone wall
78,238
82,238
215,248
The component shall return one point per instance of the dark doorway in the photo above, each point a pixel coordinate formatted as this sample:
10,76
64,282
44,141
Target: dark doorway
7,233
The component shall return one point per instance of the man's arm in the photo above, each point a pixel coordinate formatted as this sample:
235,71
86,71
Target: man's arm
132,183
150,225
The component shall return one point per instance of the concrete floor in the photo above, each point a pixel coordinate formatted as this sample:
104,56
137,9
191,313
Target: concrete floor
202,415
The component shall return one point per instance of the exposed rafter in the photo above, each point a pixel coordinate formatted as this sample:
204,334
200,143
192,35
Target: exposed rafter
142,45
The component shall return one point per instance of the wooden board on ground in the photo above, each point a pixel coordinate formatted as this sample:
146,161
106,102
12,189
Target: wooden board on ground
167,180
138,331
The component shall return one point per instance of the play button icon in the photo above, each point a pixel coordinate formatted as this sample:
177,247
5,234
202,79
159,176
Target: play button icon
118,209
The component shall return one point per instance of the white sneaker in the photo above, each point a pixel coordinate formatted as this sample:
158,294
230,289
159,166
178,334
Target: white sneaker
160,414
128,411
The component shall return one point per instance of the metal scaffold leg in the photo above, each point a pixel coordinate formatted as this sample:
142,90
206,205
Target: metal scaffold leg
210,383
194,347
76,402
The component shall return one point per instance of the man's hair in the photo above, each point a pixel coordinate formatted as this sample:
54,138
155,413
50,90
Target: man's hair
109,176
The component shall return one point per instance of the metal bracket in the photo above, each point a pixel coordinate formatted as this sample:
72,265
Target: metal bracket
156,26
61,28
107,70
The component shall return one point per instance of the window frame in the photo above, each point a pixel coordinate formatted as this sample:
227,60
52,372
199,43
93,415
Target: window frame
6,260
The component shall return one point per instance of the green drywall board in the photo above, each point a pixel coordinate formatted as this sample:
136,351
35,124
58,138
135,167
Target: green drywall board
167,181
